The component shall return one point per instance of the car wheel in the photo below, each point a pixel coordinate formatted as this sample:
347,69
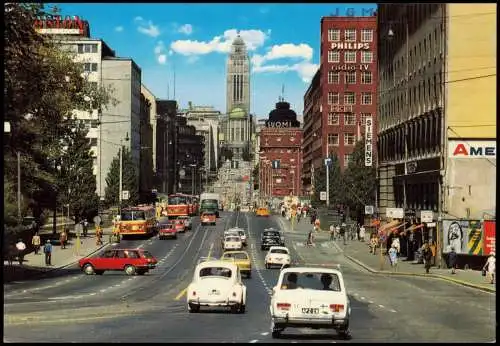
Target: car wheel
99,272
89,269
235,308
129,270
193,308
242,308
262,248
249,275
276,332
267,266
345,334
175,237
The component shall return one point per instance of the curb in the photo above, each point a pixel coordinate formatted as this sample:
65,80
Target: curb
432,276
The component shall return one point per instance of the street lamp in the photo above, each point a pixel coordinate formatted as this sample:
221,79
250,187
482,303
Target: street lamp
120,193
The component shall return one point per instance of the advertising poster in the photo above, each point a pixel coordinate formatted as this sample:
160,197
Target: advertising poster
489,236
465,236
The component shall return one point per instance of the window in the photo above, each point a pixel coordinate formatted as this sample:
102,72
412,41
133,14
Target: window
333,77
347,159
366,98
366,77
350,35
350,56
93,142
349,138
350,77
333,98
349,98
363,118
333,119
333,139
366,57
90,67
366,35
94,124
87,48
333,35
349,119
333,56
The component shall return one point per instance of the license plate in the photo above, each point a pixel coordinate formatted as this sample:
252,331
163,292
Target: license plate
310,310
214,293
278,258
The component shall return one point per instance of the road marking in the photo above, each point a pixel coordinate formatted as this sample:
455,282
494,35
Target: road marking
266,333
381,306
103,290
392,310
253,341
355,294
183,292
363,298
117,285
210,250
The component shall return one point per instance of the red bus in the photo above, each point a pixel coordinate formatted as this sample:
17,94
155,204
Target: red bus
193,205
138,220
178,205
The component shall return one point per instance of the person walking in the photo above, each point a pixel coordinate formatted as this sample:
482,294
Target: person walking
63,238
342,233
21,247
393,257
310,238
362,233
427,255
35,241
47,250
452,260
332,232
98,234
490,267
85,225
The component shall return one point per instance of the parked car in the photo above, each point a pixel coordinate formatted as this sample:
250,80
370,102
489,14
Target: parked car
217,284
131,261
309,297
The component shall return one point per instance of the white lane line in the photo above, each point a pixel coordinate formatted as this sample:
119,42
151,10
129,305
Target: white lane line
117,285
266,333
355,294
253,341
381,306
92,294
363,298
370,301
103,290
392,310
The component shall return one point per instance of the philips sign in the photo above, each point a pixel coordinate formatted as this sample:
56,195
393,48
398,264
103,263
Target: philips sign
472,149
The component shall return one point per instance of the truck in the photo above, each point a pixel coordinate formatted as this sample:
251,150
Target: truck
210,202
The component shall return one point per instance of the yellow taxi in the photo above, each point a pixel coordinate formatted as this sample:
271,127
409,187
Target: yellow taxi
241,259
262,212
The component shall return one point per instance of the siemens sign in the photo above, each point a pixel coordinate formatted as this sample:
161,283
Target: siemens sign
472,149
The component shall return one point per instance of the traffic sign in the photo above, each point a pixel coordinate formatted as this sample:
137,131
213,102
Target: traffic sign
182,173
125,194
369,209
328,162
322,196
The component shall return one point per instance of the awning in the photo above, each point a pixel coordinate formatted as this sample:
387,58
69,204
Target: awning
374,223
413,228
394,229
388,226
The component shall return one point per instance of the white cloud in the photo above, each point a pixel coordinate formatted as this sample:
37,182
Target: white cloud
186,29
150,29
162,59
290,50
119,28
160,47
220,44
138,19
304,69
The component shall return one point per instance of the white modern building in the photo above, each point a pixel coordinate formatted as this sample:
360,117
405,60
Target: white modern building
152,118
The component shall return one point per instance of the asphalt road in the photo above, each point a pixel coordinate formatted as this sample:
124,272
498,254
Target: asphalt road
72,307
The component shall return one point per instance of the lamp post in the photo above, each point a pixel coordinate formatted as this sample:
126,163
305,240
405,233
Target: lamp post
120,193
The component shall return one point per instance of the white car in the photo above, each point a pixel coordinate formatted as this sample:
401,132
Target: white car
187,221
277,256
232,242
307,297
239,232
217,284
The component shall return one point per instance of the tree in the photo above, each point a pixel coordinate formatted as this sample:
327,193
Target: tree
255,174
360,181
77,184
337,191
129,183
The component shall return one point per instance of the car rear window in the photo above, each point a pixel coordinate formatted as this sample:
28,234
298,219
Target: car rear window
312,281
232,239
282,251
216,271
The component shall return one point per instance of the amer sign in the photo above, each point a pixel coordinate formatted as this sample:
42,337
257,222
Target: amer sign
461,149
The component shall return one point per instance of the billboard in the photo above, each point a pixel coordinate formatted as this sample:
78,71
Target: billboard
460,149
466,236
489,237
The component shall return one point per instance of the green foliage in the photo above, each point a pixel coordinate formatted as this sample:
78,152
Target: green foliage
130,180
255,174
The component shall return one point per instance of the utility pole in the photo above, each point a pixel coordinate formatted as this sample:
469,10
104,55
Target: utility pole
18,184
327,174
120,192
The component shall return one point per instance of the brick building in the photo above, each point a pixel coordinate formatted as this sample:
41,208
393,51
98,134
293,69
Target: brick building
342,94
280,156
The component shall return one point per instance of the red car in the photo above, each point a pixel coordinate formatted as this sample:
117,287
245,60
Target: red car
132,261
179,226
167,230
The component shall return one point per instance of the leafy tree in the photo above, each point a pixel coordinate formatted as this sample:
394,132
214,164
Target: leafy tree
129,182
77,183
360,181
255,174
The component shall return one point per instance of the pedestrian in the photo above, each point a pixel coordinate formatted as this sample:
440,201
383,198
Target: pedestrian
63,238
490,267
98,234
427,255
21,247
85,227
393,257
452,260
396,244
358,231
373,243
362,233
310,238
332,232
47,250
35,241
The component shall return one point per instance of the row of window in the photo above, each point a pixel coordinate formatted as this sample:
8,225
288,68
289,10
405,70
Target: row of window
350,35
281,151
87,48
350,56
422,196
350,77
90,123
350,98
90,67
349,119
334,139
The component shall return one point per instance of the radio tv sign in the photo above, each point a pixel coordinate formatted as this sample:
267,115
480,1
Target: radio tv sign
369,142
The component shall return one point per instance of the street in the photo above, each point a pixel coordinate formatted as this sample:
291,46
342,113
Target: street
117,308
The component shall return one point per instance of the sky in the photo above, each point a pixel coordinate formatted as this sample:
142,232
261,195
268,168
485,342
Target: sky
194,40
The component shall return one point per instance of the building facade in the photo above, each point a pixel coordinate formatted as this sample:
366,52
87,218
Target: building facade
343,93
190,157
152,119
280,156
167,172
437,134
146,182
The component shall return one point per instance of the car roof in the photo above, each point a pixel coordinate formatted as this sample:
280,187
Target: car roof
311,270
236,251
217,263
235,229
136,249
279,248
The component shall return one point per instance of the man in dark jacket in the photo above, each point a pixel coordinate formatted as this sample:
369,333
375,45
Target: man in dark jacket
452,260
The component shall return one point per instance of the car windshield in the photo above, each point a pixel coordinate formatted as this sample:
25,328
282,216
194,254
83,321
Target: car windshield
177,200
132,215
279,251
209,203
241,233
271,234
236,255
215,271
311,281
232,239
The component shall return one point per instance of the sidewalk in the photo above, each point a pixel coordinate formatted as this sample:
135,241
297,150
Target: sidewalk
358,252
34,265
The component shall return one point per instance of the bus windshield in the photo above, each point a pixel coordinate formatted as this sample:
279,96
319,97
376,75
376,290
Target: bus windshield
209,203
176,200
132,215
